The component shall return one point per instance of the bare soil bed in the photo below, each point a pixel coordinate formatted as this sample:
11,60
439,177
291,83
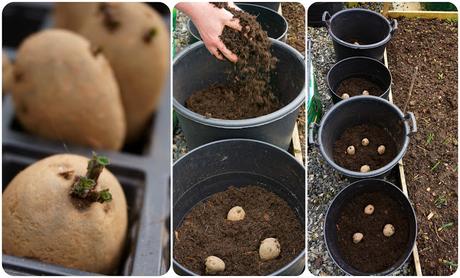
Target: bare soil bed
431,164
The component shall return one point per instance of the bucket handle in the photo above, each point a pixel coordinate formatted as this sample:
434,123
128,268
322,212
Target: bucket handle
394,26
410,116
311,134
327,21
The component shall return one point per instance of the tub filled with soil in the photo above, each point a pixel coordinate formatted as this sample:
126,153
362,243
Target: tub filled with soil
370,228
249,99
244,216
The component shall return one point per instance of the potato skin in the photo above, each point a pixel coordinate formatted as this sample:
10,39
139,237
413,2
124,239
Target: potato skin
40,221
7,73
72,15
139,66
63,91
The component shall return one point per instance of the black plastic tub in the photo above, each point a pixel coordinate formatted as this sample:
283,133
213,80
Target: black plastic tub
316,10
363,67
345,196
272,22
195,69
371,30
142,169
215,166
363,110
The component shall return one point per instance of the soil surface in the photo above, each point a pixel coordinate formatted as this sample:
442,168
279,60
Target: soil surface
375,252
430,164
364,155
205,231
355,86
247,93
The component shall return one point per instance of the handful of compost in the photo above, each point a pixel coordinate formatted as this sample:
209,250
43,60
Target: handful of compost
68,211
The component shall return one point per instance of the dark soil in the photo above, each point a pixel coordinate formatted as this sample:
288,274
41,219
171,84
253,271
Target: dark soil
354,86
375,252
206,232
247,93
364,155
431,161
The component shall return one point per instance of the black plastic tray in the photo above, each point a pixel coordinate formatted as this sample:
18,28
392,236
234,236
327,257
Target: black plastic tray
143,171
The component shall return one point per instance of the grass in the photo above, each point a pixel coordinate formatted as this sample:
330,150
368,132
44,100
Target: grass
430,138
441,201
450,264
446,226
435,166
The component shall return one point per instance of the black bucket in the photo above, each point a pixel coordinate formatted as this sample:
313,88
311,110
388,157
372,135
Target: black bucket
345,196
214,167
370,29
363,67
195,69
272,22
363,110
316,10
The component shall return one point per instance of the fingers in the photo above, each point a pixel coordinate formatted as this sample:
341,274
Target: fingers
234,23
214,51
226,52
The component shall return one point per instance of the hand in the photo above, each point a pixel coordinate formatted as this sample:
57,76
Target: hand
210,22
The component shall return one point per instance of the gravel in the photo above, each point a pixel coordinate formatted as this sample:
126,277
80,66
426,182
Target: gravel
323,182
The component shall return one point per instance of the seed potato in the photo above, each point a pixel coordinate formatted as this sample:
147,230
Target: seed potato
357,237
63,91
388,230
369,209
41,220
236,214
269,249
214,265
72,15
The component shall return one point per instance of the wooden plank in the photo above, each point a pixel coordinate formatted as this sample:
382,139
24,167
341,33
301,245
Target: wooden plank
402,176
423,14
296,145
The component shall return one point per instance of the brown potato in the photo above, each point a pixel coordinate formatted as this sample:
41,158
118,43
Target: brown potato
135,40
72,15
42,221
65,90
7,73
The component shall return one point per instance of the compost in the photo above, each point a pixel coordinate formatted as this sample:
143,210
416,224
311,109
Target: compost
431,164
364,155
375,252
354,86
247,92
205,231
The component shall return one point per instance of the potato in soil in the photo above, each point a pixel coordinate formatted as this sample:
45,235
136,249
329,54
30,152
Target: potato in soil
135,40
41,220
65,90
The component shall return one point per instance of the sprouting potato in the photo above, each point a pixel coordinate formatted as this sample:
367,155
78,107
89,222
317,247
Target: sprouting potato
381,149
369,209
351,150
214,265
365,142
269,249
357,237
365,168
345,96
236,214
388,230
366,92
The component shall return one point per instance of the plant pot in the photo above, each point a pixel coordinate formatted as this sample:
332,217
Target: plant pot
363,67
215,166
370,29
195,69
363,110
271,21
316,10
345,196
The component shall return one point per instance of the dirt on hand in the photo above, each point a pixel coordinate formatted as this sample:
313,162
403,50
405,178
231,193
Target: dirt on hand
205,231
364,155
247,92
375,252
354,86
431,162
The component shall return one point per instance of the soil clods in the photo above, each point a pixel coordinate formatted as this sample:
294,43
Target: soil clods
268,220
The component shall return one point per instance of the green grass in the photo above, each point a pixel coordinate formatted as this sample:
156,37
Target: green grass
450,264
430,138
441,201
435,166
446,226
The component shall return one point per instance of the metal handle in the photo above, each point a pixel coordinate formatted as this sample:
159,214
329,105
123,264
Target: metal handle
410,117
328,20
394,26
311,134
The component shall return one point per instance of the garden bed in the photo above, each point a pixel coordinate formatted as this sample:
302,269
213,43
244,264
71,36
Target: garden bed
431,160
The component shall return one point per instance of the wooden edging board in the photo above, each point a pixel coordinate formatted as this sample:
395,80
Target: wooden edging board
414,14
